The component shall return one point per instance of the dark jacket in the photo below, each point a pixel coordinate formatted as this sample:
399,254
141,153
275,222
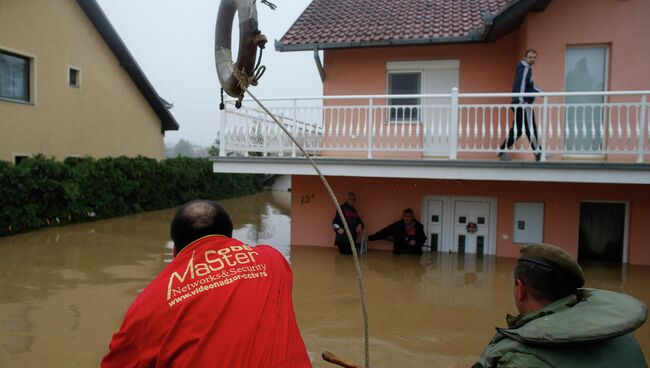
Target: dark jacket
523,83
397,230
353,220
591,329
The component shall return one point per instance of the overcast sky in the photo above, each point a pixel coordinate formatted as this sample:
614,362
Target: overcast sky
173,42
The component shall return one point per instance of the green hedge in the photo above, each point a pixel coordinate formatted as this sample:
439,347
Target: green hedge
40,191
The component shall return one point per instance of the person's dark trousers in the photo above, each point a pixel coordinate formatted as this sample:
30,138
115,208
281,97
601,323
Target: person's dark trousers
524,119
404,248
344,247
408,250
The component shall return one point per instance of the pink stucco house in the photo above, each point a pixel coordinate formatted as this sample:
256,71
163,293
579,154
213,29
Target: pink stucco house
417,100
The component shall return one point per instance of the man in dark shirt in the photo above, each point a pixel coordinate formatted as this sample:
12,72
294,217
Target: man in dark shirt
354,224
524,117
407,233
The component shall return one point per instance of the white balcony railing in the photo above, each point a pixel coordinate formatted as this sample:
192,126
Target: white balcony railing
610,126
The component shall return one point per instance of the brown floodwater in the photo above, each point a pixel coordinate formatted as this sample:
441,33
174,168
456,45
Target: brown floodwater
64,291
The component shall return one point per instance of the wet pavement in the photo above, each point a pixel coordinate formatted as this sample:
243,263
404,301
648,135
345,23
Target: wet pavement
64,291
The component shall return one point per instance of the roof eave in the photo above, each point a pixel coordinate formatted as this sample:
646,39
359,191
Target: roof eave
511,18
127,61
279,46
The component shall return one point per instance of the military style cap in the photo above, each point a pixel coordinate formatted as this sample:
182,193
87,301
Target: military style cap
553,257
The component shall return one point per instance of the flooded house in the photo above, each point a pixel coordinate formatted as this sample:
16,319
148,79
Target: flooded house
417,102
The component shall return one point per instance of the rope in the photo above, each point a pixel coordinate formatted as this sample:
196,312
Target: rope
269,4
244,82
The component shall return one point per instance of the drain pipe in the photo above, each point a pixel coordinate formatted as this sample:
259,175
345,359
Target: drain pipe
319,65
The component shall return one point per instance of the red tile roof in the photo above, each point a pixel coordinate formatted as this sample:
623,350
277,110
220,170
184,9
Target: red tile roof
374,21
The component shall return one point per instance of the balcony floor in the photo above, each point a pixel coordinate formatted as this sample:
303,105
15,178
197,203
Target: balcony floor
567,172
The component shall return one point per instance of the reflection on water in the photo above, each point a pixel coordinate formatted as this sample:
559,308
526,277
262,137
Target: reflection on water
63,291
262,219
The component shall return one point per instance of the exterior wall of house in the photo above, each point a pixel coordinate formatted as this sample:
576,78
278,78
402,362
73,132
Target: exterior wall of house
362,71
483,67
489,67
615,23
106,116
381,200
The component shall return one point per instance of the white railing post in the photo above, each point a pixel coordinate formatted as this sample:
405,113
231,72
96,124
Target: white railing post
371,126
453,125
642,124
222,132
247,135
295,125
280,133
542,142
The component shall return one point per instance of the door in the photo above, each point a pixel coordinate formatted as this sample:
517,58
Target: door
471,227
528,226
586,71
434,224
602,232
436,111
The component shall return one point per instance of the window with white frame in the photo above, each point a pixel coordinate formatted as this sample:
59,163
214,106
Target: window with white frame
404,83
74,77
20,158
15,77
417,78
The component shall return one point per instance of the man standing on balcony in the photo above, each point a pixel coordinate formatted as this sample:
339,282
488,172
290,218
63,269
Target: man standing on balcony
524,117
354,224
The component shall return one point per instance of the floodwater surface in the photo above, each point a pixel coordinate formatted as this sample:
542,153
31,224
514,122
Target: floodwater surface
64,291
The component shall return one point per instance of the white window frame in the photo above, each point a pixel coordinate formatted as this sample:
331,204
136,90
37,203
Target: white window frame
78,70
389,106
24,155
32,76
420,66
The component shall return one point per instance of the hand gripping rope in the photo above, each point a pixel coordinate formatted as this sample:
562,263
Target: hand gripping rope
235,78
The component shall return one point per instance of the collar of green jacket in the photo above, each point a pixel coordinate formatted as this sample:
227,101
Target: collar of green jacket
590,315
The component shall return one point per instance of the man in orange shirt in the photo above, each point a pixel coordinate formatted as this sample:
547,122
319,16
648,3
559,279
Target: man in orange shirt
219,303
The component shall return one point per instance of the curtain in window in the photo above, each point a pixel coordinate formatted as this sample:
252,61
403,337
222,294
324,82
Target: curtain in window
14,77
585,72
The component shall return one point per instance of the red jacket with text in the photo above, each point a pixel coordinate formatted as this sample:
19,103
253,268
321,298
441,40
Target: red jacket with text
219,303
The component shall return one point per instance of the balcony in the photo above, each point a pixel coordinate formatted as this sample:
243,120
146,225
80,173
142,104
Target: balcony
576,126
595,137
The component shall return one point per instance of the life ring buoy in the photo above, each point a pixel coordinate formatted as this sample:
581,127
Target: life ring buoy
249,39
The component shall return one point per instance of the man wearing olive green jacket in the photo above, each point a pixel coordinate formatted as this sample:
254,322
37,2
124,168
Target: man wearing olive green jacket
562,325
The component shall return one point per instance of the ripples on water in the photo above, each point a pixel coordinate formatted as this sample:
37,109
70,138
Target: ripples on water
64,291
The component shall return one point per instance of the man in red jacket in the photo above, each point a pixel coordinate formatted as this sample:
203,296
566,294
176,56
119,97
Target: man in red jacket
219,303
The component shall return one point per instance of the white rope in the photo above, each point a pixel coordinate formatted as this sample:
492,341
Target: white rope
355,256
